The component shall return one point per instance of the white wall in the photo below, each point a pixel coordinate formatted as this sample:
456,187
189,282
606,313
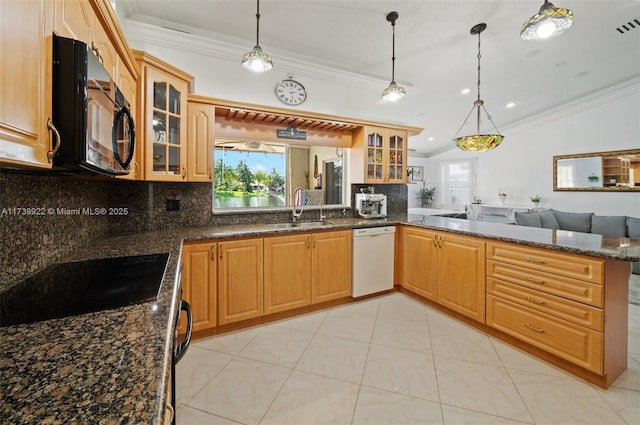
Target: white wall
523,164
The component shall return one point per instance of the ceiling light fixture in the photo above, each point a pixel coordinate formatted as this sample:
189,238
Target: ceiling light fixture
550,21
255,60
478,142
393,92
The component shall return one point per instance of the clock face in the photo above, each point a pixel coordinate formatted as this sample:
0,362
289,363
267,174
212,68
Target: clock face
291,92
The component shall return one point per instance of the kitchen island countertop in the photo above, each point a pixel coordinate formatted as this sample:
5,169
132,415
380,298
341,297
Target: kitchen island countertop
112,367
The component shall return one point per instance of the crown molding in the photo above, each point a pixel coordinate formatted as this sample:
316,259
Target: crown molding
228,49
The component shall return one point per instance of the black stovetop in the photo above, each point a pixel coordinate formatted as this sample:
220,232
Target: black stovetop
69,289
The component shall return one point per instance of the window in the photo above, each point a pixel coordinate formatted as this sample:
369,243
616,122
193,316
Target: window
456,180
255,174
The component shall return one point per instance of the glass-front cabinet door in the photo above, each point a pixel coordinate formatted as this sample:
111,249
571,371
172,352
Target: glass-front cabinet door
162,120
385,155
375,154
396,154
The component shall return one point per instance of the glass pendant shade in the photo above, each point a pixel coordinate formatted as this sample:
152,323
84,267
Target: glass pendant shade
256,60
393,92
478,142
549,22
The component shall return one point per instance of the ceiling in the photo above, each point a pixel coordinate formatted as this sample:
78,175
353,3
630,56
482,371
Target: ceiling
435,54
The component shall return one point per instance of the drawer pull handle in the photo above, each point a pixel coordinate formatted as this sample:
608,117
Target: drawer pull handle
532,280
535,260
533,300
534,328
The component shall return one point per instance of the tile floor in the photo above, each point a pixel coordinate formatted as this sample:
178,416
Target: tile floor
389,360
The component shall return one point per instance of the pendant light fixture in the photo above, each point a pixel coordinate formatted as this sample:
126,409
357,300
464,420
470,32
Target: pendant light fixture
550,21
255,60
393,92
478,142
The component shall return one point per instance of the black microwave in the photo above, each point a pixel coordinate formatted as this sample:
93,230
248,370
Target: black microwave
90,113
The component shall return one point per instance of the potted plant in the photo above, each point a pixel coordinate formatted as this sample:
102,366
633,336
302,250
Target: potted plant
536,200
425,195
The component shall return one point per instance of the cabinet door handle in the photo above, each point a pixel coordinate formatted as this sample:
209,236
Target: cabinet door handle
184,173
220,251
532,280
213,252
435,243
56,146
439,241
210,173
535,260
308,242
528,325
314,241
533,300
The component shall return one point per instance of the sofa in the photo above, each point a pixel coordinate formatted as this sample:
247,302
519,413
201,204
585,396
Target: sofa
621,226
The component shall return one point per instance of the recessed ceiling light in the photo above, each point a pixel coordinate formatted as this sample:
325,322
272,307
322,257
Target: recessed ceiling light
511,104
430,139
465,91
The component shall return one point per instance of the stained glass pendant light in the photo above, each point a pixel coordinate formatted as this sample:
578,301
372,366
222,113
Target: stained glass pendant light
478,142
255,60
393,92
549,22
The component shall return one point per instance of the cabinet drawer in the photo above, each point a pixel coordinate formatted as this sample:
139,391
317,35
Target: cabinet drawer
572,311
563,264
574,343
565,287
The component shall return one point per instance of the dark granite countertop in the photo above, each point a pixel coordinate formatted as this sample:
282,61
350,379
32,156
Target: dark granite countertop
112,367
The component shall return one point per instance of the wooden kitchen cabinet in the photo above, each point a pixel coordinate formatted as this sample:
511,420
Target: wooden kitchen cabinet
240,280
380,155
25,104
331,260
287,272
446,268
200,141
161,118
199,284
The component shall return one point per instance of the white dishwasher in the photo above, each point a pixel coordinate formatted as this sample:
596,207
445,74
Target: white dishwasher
373,250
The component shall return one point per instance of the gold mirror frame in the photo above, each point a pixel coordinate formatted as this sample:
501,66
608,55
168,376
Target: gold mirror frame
606,186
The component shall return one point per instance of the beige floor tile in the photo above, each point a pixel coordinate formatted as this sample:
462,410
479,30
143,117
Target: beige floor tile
277,345
195,370
463,343
230,343
630,378
335,358
514,359
563,400
377,407
402,334
311,399
306,322
626,403
438,319
634,340
479,387
458,416
242,391
190,416
402,308
367,307
401,371
354,326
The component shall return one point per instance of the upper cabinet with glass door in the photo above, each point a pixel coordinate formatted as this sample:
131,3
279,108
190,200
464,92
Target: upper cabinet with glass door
162,122
383,152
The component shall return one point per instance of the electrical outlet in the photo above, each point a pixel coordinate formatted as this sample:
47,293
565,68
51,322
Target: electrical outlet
173,205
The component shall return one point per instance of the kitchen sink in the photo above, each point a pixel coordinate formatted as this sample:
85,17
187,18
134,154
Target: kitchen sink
298,224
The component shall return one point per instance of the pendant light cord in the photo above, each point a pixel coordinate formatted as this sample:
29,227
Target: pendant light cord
258,23
393,51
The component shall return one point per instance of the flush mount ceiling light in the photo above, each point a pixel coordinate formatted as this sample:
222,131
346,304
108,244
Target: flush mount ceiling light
478,142
255,60
393,92
550,21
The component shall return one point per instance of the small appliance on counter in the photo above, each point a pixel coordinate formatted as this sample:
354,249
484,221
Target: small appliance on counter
371,205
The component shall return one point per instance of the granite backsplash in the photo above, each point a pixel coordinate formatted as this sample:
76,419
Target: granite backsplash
71,210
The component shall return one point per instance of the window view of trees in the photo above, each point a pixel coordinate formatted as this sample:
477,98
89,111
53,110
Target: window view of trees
242,180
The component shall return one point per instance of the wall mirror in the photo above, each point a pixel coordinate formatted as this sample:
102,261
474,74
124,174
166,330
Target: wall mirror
598,171
260,174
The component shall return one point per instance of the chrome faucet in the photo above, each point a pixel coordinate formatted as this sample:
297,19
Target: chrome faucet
296,215
322,216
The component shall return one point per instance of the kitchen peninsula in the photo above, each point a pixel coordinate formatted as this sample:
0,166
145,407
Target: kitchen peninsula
113,366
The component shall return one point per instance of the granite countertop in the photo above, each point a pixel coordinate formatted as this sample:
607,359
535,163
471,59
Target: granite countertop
112,367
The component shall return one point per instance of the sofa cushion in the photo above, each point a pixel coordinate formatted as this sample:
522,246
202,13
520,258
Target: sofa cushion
609,225
576,222
527,219
548,220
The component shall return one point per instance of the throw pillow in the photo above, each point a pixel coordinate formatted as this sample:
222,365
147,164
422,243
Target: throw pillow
548,220
609,225
576,222
527,219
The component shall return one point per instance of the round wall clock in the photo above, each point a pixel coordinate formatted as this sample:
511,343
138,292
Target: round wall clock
291,92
